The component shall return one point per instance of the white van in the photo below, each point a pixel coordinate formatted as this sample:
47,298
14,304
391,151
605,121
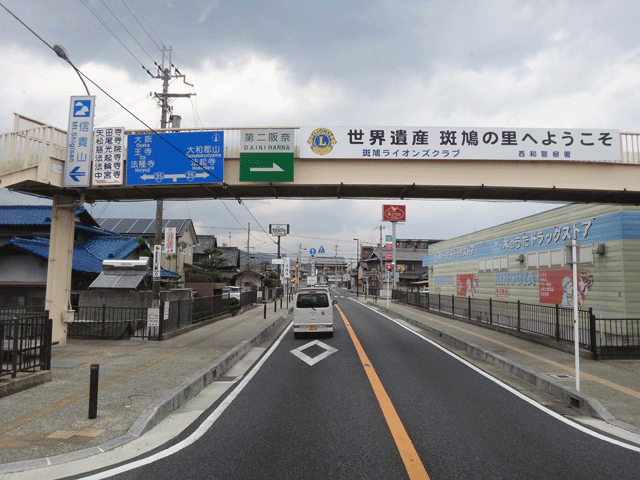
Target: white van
313,312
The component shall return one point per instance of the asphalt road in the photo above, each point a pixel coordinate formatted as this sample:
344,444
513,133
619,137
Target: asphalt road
317,414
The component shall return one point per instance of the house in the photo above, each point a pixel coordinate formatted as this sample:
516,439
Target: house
24,252
145,228
409,254
249,278
205,242
331,269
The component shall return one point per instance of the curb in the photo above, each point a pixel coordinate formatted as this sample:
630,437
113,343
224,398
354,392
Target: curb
569,396
15,385
158,410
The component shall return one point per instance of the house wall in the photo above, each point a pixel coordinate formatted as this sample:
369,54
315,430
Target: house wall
248,281
533,269
20,268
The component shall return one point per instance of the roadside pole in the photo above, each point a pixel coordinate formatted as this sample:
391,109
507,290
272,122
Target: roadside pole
576,316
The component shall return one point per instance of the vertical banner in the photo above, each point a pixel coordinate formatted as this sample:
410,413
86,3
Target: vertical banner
108,156
77,167
156,261
170,240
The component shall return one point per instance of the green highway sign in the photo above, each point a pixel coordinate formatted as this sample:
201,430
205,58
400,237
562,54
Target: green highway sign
266,167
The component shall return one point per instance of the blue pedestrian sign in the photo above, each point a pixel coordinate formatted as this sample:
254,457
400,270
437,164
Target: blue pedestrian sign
175,158
321,249
312,251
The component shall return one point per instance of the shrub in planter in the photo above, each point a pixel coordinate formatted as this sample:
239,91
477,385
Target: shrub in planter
234,305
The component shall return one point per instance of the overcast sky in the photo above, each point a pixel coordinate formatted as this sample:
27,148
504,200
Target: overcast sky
548,64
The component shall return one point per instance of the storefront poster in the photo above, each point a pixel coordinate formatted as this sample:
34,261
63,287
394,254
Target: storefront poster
466,285
556,286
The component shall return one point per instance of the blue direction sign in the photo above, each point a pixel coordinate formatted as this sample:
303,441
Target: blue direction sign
175,158
312,251
77,166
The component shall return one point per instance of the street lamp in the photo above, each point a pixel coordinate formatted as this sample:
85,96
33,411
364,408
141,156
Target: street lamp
62,53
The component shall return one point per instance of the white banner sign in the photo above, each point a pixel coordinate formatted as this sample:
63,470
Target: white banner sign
267,140
444,143
108,156
156,261
286,270
153,317
280,230
170,240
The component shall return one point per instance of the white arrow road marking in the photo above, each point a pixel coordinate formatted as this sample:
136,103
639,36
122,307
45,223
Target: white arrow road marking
275,168
312,361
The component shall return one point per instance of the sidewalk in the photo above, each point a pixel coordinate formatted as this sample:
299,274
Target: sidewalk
141,382
609,389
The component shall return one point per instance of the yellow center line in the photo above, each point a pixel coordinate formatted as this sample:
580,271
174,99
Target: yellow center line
409,455
63,402
594,378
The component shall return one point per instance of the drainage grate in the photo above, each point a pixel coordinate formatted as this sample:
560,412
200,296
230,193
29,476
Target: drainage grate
562,376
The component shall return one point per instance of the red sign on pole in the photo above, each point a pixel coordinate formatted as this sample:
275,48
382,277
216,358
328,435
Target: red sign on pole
394,213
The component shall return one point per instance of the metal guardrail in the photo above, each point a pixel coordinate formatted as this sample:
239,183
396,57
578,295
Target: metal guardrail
605,338
26,343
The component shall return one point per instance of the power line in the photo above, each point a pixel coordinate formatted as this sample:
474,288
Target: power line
152,130
104,24
141,26
125,28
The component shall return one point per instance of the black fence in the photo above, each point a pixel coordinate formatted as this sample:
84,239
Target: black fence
605,338
106,322
26,341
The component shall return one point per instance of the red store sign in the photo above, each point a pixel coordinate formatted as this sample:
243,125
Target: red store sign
394,213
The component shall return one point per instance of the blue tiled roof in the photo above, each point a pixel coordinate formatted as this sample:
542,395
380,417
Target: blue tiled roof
164,273
87,257
41,215
108,248
83,261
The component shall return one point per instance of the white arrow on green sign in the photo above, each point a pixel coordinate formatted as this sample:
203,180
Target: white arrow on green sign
266,167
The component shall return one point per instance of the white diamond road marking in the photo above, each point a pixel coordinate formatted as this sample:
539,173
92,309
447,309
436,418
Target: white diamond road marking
312,361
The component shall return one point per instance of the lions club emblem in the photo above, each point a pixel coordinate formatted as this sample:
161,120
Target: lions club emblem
321,141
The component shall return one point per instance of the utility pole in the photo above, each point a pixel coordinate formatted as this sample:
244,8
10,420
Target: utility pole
335,264
248,237
165,74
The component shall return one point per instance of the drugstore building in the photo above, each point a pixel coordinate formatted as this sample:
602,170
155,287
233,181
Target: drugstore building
527,260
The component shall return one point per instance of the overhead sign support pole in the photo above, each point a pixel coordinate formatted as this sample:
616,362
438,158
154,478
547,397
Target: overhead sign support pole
166,75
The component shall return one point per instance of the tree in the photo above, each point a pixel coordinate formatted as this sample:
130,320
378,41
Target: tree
210,267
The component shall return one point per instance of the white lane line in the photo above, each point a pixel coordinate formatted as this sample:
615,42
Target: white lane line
202,429
555,415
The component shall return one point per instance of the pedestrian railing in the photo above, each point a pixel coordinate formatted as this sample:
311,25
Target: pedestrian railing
605,338
106,322
26,343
